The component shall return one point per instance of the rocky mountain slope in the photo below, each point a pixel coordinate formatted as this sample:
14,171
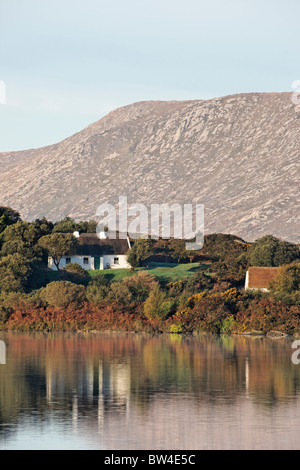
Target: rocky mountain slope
238,155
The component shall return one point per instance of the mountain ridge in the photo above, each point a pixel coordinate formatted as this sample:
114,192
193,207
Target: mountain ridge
236,154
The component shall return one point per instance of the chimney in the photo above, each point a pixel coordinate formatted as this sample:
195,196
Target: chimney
102,235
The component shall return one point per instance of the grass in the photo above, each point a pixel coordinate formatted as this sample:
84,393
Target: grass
114,274
164,272
174,272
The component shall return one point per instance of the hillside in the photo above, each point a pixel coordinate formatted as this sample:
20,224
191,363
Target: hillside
238,155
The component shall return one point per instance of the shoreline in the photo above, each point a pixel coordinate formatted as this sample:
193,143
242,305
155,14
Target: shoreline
274,334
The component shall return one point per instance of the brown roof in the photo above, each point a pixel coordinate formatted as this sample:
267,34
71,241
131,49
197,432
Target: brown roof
259,278
91,245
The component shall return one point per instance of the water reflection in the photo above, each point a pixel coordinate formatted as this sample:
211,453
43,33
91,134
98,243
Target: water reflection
127,391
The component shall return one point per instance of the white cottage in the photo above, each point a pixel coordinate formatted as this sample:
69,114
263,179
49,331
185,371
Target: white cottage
97,251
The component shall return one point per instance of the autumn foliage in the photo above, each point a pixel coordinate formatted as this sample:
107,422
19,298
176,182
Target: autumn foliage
210,299
89,317
227,312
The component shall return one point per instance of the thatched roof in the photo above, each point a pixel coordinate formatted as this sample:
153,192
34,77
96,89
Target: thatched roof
260,277
91,245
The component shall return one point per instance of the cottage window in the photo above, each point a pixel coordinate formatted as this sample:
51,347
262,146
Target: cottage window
85,261
68,260
116,261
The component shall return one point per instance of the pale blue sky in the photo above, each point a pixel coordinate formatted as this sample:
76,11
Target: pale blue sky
66,63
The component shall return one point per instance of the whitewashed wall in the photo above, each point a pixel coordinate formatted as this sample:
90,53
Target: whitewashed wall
103,262
74,259
247,280
110,260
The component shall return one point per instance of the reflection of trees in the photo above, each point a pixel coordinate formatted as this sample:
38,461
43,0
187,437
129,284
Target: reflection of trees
273,377
75,374
22,384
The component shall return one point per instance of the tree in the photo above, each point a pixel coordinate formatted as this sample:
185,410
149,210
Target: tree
14,272
157,306
140,251
172,248
45,226
140,285
8,216
220,246
286,285
66,225
178,251
230,269
63,293
119,292
89,226
22,237
96,294
98,289
270,251
58,245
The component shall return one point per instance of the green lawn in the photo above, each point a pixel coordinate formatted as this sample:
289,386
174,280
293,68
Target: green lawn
114,274
164,271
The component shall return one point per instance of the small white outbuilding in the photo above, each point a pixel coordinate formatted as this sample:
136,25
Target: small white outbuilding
259,278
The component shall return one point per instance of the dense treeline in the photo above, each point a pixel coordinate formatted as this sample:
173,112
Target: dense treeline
212,299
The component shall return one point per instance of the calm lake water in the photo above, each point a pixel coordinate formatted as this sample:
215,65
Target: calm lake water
126,391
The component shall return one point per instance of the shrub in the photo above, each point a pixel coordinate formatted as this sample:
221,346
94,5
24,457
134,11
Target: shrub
102,317
101,280
119,292
139,285
231,269
63,293
286,285
207,312
157,306
76,268
228,325
199,282
176,328
265,315
176,288
96,293
98,288
12,301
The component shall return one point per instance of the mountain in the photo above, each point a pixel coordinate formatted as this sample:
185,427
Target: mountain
238,155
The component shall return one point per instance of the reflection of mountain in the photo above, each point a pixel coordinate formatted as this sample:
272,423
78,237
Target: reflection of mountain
178,422
132,388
